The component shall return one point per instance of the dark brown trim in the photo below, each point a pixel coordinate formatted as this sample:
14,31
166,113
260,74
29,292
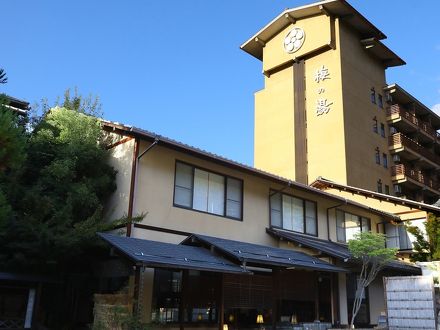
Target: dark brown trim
162,230
132,184
300,122
122,141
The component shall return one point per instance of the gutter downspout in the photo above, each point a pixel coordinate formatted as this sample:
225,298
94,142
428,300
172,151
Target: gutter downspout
328,217
134,168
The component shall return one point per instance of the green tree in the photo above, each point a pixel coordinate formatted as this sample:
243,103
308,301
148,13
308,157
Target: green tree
12,156
369,250
63,186
426,244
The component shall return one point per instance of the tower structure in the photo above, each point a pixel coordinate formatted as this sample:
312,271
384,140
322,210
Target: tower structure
327,111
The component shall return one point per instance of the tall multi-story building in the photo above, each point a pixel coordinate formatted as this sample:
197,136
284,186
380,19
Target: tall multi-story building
326,109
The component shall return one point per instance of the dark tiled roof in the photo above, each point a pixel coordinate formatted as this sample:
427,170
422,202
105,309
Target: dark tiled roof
166,255
332,249
329,248
263,255
323,183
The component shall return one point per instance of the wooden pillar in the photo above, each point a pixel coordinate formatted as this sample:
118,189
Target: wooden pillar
275,294
335,298
136,289
183,296
316,277
221,305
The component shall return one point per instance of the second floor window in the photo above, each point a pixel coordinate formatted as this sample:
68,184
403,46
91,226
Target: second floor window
209,192
397,237
379,186
347,225
293,213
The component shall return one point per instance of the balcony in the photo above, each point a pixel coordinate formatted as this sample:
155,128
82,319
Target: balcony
412,151
405,121
414,179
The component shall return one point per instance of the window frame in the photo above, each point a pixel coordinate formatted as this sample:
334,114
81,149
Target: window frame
304,200
225,178
380,100
377,155
352,214
384,160
373,95
375,126
382,130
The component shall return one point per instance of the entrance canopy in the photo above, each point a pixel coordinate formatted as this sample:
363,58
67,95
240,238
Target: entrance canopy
214,254
336,250
166,255
256,254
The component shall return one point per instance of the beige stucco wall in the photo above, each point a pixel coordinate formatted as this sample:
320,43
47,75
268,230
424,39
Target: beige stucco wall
121,157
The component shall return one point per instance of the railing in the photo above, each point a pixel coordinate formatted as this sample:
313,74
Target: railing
11,324
424,126
416,175
399,138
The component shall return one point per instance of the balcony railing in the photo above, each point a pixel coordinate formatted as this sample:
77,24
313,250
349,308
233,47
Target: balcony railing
399,138
416,175
402,112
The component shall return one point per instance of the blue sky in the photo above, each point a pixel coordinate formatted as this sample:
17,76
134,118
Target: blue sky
175,67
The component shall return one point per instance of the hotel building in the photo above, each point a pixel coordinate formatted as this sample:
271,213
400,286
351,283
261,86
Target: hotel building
223,245
326,109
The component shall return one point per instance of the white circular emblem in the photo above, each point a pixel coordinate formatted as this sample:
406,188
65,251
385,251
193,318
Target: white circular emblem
294,40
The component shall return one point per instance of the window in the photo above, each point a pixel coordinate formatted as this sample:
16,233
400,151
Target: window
347,225
385,160
397,237
379,186
377,156
373,95
382,130
292,213
205,191
379,100
375,125
387,189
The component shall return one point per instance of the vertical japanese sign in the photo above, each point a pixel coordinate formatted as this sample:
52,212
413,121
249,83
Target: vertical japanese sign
323,105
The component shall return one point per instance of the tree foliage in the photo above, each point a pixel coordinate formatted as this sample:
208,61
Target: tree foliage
426,244
56,205
368,249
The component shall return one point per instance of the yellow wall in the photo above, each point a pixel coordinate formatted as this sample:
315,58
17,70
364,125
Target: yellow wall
317,35
325,132
341,143
361,72
274,148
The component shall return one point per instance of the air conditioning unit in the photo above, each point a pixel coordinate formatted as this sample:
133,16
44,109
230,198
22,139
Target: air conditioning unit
397,189
396,158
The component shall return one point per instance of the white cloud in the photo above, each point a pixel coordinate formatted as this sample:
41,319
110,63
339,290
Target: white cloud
436,108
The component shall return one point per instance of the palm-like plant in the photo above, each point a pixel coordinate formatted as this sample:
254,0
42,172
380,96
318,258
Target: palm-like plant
3,78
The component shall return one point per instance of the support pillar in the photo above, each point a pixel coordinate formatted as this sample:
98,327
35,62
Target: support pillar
343,309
